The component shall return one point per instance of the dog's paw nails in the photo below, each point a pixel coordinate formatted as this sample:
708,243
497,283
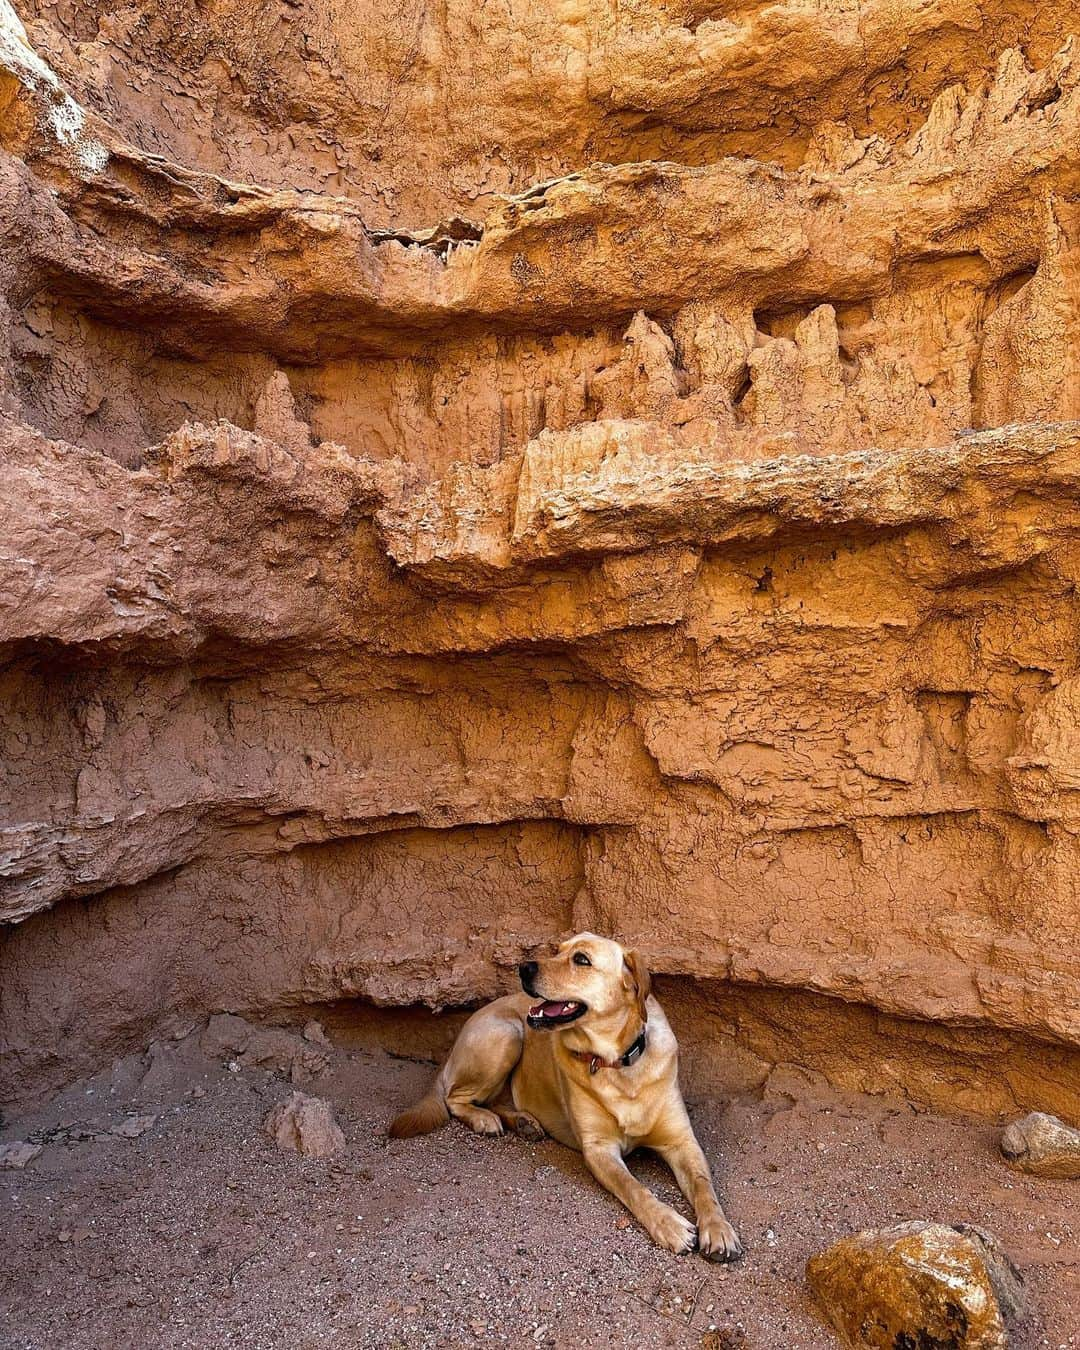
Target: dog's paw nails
674,1233
718,1241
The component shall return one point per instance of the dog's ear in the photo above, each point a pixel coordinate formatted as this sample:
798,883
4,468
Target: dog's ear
640,977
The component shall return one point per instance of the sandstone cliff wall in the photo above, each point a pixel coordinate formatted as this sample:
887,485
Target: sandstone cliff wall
469,475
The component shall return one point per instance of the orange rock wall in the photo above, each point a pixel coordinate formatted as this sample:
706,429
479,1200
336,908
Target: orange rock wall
473,474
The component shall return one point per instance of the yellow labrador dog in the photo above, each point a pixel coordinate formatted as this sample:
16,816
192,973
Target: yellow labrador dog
585,1055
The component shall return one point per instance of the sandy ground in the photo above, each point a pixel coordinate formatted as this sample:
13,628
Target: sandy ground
199,1232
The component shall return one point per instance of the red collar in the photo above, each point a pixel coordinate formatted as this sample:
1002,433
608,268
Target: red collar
623,1062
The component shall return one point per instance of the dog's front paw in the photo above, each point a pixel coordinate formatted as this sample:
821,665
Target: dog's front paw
717,1240
484,1122
670,1230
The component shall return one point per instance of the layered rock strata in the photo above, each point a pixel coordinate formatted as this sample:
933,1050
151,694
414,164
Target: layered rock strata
685,550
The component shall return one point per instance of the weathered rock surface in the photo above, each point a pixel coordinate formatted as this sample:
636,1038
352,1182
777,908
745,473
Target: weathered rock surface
919,1284
1042,1145
16,1153
306,1125
227,1037
678,538
133,1126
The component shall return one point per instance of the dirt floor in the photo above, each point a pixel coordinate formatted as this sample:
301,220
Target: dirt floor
199,1232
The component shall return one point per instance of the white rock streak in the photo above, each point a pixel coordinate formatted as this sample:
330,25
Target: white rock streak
61,117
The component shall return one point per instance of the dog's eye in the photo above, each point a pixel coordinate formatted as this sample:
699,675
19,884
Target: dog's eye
580,959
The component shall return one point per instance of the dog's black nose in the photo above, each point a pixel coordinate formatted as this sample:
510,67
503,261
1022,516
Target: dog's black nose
528,971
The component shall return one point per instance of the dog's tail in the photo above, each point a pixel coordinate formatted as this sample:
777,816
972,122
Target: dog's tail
428,1114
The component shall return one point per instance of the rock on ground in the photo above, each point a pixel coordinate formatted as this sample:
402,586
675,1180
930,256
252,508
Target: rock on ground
917,1285
133,1126
305,1125
1042,1145
18,1153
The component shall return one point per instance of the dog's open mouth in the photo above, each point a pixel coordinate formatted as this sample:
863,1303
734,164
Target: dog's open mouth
555,1012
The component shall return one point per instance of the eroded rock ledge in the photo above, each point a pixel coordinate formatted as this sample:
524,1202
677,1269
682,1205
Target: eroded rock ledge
686,551
582,731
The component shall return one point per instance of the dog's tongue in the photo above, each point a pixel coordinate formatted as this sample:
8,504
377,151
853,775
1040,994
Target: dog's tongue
552,1009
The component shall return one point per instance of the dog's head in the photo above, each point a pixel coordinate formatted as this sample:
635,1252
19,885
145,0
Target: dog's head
587,976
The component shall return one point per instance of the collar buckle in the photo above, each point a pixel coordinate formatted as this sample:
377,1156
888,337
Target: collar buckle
635,1052
624,1061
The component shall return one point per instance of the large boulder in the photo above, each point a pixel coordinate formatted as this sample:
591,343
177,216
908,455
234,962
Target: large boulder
918,1285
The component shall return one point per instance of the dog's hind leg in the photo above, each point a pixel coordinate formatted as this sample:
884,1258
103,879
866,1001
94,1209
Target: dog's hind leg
483,1058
